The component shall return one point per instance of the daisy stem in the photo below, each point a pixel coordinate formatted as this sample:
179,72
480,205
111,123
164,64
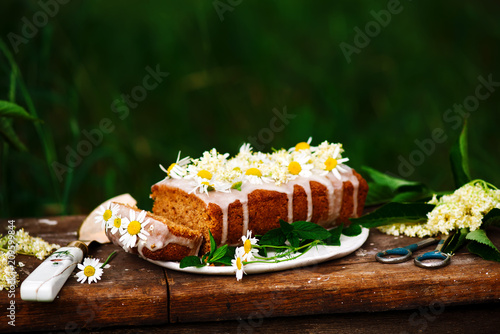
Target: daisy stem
109,258
290,251
277,261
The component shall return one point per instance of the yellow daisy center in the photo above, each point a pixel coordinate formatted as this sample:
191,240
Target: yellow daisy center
89,271
253,171
205,174
107,214
237,169
239,265
294,168
247,246
330,164
302,146
117,222
134,227
170,168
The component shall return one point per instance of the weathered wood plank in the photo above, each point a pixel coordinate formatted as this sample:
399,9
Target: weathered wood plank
119,298
356,283
353,284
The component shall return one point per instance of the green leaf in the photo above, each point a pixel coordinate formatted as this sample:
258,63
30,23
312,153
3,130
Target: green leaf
218,254
237,185
311,231
456,241
481,245
226,260
384,188
483,251
286,227
10,109
481,237
334,238
459,159
492,218
9,134
391,182
352,231
394,212
191,261
274,237
294,239
213,245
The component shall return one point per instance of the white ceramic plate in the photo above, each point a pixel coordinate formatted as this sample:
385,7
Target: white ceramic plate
313,256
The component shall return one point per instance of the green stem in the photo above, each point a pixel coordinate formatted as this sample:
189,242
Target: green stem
108,259
291,251
46,140
287,259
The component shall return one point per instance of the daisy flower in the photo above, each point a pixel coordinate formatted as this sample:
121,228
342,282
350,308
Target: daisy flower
134,229
105,213
300,166
333,164
115,224
248,243
254,176
302,146
90,269
237,262
177,170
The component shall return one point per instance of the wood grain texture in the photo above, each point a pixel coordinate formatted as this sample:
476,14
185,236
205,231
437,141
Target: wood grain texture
134,292
120,297
356,283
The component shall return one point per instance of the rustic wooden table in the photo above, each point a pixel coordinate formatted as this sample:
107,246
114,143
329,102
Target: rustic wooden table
354,294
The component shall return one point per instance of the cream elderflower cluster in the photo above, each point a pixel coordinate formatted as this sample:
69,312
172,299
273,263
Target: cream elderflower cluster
34,246
131,228
25,245
465,208
217,172
8,274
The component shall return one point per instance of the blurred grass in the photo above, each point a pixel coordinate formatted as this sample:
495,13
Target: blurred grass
225,79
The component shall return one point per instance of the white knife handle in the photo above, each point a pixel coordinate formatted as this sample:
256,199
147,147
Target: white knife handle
45,282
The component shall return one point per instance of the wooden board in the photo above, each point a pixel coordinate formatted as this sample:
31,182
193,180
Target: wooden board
134,292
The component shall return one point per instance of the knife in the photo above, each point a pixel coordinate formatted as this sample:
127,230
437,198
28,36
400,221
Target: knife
45,282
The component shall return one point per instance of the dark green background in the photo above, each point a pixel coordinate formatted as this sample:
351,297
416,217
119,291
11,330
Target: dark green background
226,77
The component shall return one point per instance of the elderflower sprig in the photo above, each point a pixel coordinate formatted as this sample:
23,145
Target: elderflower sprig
28,245
467,211
464,208
20,243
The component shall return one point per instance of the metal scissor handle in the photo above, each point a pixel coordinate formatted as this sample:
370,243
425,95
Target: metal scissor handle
404,252
444,259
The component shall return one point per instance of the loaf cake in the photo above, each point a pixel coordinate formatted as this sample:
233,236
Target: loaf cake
252,191
150,236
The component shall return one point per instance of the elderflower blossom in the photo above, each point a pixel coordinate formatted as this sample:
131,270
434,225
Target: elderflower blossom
214,171
465,208
8,274
28,245
23,244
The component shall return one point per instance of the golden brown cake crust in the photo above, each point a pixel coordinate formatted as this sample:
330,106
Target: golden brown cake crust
264,208
362,193
299,203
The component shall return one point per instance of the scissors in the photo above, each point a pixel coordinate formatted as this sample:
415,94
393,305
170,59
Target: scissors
405,254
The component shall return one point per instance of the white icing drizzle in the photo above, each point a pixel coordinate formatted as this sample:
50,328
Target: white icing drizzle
333,185
159,236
